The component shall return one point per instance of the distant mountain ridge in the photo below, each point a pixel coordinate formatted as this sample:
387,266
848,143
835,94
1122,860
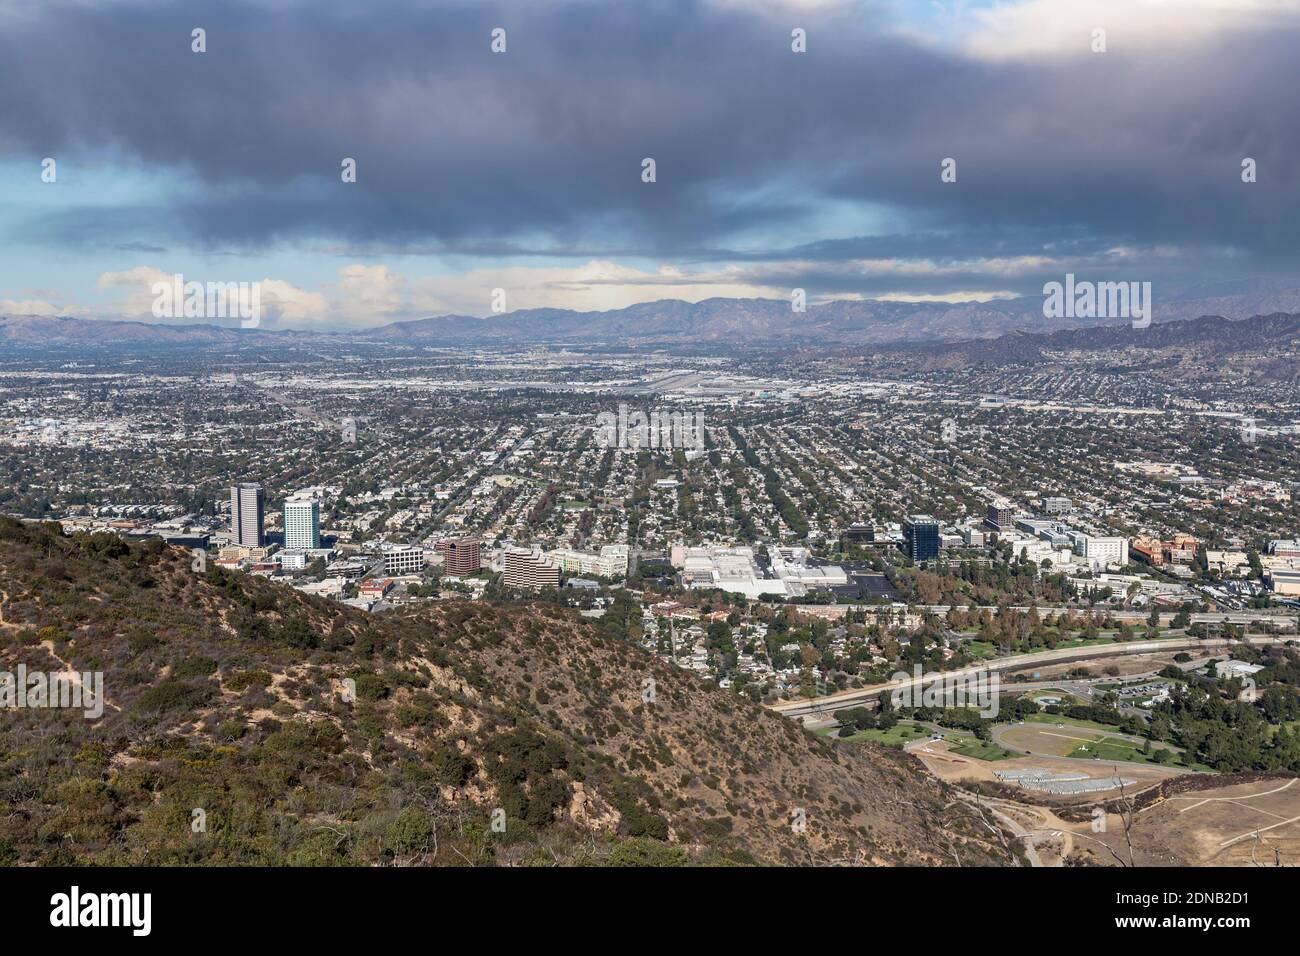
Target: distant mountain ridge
1211,336
664,323
40,331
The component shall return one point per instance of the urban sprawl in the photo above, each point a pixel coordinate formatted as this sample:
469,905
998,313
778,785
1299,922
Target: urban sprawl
837,518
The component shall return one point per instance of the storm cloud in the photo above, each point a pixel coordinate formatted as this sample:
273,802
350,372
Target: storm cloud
794,168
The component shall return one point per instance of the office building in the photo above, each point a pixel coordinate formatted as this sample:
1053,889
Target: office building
403,560
1227,562
1056,506
246,514
800,573
921,537
1100,551
1000,516
1181,550
302,524
460,555
291,560
1148,550
524,568
187,540
612,562
374,590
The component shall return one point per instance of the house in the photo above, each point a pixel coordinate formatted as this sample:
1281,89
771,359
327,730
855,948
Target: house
375,589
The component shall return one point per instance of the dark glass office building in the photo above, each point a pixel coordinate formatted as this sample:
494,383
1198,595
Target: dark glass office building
921,537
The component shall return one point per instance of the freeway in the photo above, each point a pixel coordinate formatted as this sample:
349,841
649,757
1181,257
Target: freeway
1271,616
860,695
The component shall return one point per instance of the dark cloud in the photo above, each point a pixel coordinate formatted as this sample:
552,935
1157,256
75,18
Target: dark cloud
538,151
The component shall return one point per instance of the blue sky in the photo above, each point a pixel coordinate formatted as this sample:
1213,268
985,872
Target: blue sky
522,170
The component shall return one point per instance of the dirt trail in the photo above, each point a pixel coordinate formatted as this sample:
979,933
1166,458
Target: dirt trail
1201,801
75,674
48,647
1043,826
4,599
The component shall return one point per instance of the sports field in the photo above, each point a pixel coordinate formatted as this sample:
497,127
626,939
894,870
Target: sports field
1063,737
979,749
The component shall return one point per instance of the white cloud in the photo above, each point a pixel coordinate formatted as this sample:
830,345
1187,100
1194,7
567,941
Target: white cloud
775,8
594,286
1039,28
972,296
287,306
374,291
283,304
369,295
30,307
138,286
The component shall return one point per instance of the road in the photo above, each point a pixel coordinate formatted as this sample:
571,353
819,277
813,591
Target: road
1274,616
1079,688
859,696
1026,838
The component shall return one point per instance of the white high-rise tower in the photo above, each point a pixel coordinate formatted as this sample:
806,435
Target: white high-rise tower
301,523
246,514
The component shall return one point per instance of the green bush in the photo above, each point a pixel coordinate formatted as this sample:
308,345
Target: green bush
173,695
140,640
411,832
642,852
297,633
322,848
231,730
243,680
371,687
194,667
451,767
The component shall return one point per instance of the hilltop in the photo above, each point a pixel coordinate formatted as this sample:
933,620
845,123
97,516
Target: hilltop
713,323
1261,344
223,696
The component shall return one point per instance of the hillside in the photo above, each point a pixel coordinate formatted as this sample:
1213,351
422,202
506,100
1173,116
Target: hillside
1210,338
223,695
41,332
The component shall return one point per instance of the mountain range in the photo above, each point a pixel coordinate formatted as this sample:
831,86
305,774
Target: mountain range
715,322
1270,341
